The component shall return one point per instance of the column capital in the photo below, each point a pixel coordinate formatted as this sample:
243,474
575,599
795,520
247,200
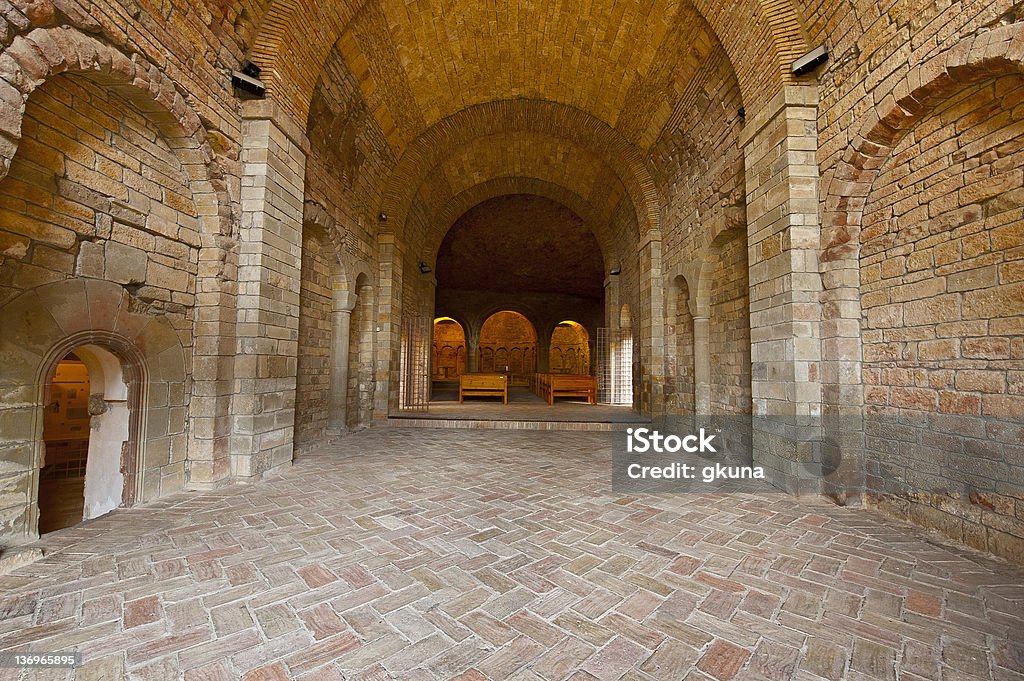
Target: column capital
345,301
802,96
269,110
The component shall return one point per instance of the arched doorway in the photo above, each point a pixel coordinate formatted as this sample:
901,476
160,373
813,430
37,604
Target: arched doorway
449,352
508,344
570,349
86,419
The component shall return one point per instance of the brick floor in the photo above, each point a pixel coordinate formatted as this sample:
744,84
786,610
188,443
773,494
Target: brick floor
434,554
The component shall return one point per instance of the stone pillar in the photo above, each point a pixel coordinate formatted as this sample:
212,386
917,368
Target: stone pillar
274,153
472,351
649,324
702,365
388,325
544,355
780,144
611,302
337,399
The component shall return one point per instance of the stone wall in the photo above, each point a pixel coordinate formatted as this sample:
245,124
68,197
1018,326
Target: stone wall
97,213
729,325
942,276
313,380
96,191
362,336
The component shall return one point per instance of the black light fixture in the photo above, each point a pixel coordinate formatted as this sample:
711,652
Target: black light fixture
424,268
615,271
247,81
383,217
810,61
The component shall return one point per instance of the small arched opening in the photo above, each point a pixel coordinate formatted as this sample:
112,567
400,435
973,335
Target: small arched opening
570,349
86,435
500,336
449,351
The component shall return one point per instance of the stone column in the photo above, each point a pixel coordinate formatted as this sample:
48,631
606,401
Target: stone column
472,351
611,302
274,150
649,325
544,355
780,144
387,325
701,365
337,399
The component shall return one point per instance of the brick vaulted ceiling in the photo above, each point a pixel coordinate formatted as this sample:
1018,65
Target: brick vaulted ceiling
461,93
521,243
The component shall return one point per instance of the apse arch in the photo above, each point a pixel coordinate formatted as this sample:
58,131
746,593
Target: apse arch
449,349
501,334
570,341
459,204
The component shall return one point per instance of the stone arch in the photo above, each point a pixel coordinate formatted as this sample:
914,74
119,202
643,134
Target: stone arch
982,57
500,186
987,55
43,53
559,121
45,323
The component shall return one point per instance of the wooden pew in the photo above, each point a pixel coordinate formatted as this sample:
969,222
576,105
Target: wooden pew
569,385
483,385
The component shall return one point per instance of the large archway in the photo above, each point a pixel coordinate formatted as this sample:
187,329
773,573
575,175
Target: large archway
520,252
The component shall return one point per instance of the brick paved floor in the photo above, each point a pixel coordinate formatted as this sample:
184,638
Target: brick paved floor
432,554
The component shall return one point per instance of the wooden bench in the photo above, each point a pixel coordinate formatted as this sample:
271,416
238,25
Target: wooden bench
483,385
570,385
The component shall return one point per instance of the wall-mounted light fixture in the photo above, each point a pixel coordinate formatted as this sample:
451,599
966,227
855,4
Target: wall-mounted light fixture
247,81
424,268
615,271
810,61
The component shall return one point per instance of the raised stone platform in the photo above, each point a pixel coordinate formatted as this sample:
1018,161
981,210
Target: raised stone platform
524,411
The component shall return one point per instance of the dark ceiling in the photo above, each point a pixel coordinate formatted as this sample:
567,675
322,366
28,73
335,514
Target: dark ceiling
521,243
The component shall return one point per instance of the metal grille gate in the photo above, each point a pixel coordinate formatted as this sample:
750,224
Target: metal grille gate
615,366
414,363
